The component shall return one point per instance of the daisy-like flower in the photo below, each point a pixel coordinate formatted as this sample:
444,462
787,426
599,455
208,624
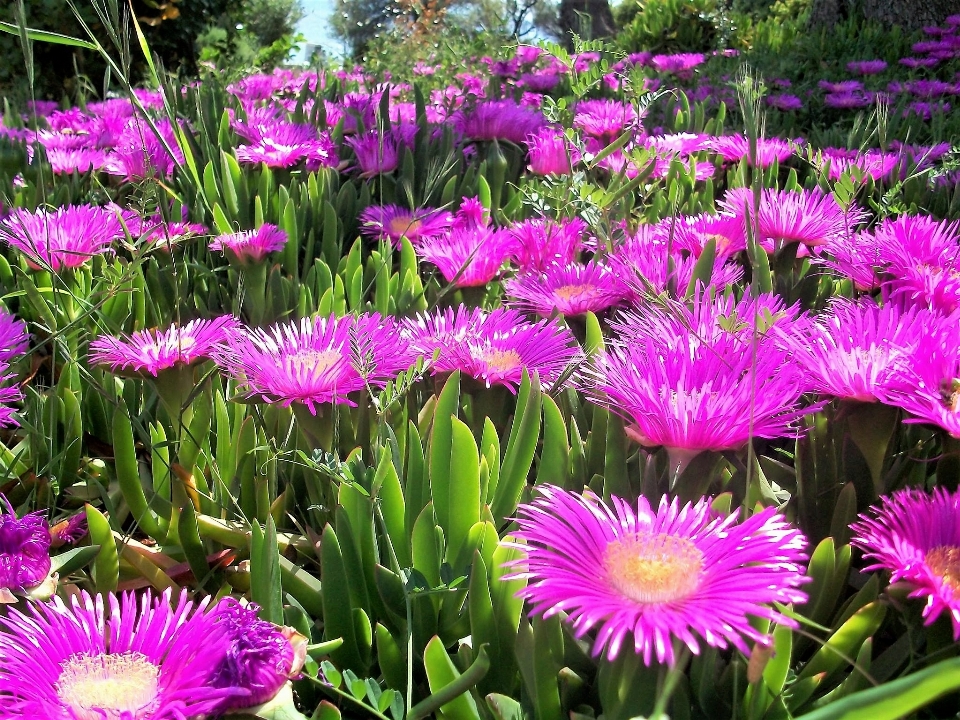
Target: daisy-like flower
808,217
473,252
495,347
645,577
24,551
249,247
551,153
110,657
149,352
140,153
605,119
571,290
394,223
859,349
80,160
377,153
921,258
315,361
733,148
867,67
691,234
872,163
785,102
64,238
541,242
681,64
690,396
498,120
916,537
857,258
282,145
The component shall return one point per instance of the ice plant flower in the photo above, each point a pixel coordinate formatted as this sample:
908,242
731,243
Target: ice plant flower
259,660
645,577
282,145
551,152
64,238
110,657
149,352
541,242
24,551
250,247
494,348
315,361
571,290
915,535
921,259
859,349
376,153
393,222
498,120
604,120
13,337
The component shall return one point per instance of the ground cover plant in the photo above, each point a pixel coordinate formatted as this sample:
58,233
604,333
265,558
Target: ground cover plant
574,385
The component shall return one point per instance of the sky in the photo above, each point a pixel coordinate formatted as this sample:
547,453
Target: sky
316,26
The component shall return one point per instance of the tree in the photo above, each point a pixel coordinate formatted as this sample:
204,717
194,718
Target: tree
587,18
908,14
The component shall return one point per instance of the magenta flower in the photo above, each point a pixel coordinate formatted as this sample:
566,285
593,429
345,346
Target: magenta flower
551,153
808,217
149,352
473,252
859,350
259,658
867,67
784,102
872,163
927,385
921,261
495,347
689,396
857,258
110,657
541,243
677,572
62,239
140,153
14,338
916,536
691,234
393,222
605,120
282,144
316,361
250,246
164,236
733,148
571,290
677,144
78,160
679,63
376,154
24,551
498,120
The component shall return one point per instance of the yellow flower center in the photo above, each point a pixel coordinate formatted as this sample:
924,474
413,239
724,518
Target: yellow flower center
314,360
403,226
653,568
501,361
99,687
945,562
569,292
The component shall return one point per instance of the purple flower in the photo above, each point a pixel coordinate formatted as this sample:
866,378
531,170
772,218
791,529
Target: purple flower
315,361
551,153
677,572
110,657
149,352
14,338
541,243
571,290
79,160
680,63
734,148
605,119
376,154
64,238
495,347
282,144
498,120
394,223
916,537
259,659
784,101
250,246
24,551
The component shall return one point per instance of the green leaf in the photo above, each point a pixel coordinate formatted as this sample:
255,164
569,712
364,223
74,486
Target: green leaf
48,37
896,699
128,475
845,642
265,587
189,536
524,435
450,698
106,565
462,487
554,467
337,612
68,562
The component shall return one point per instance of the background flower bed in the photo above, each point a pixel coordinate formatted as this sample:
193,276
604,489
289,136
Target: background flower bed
259,365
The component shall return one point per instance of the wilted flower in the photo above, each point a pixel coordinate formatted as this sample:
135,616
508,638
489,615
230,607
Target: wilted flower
916,536
678,572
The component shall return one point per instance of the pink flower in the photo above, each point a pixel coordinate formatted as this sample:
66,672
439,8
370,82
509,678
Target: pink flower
916,536
376,154
394,222
282,144
541,242
605,119
315,361
551,153
647,577
495,347
498,120
250,246
153,351
571,290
